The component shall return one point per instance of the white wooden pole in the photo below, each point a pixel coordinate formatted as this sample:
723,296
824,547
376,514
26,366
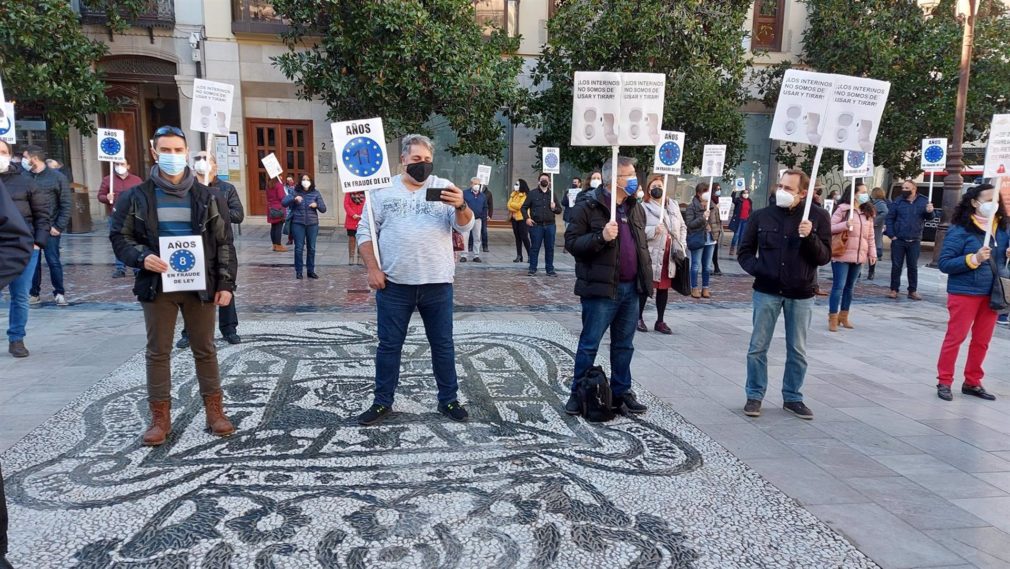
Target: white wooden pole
662,203
613,182
852,206
995,201
210,148
112,179
932,176
374,230
813,182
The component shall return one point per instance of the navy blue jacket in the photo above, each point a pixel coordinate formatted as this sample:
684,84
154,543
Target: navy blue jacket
476,203
301,213
961,242
905,219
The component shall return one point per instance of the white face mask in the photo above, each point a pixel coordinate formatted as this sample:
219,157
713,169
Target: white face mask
784,198
201,167
987,209
706,196
121,170
5,163
594,183
475,187
306,184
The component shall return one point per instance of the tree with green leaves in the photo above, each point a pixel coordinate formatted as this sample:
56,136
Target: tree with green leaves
697,44
893,40
406,61
47,59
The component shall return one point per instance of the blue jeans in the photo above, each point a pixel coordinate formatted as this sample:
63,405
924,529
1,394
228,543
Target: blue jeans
542,235
901,251
620,315
701,260
843,280
120,266
305,238
52,253
797,320
18,317
394,305
738,234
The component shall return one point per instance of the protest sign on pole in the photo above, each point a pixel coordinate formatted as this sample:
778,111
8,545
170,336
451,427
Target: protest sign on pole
363,163
829,205
272,165
186,269
111,149
596,106
642,97
484,174
802,106
997,152
669,157
855,108
739,184
211,109
7,122
551,162
713,157
725,207
934,159
855,165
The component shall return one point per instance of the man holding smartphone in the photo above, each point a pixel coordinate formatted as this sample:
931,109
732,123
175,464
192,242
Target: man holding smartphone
412,223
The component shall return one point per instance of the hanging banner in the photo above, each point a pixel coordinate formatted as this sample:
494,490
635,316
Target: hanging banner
712,159
211,109
669,158
642,98
856,164
186,269
7,132
551,160
272,165
111,145
997,152
363,164
934,154
484,174
617,109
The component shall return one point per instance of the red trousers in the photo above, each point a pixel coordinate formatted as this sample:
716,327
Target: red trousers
967,313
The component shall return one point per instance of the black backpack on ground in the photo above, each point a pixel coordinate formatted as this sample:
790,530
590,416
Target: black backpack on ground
595,397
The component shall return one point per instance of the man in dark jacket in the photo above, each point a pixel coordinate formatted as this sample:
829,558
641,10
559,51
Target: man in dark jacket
612,270
172,203
905,221
34,209
56,188
15,253
539,210
782,251
205,164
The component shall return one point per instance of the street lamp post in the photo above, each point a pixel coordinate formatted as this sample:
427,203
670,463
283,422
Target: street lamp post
953,182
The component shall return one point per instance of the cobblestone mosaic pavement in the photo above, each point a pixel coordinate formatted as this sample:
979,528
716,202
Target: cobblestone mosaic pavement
521,485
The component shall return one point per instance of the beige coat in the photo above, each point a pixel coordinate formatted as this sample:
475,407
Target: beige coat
673,225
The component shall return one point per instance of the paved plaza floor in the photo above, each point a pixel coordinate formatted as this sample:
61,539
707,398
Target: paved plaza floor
887,474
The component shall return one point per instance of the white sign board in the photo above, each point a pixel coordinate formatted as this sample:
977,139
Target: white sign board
3,99
484,173
829,205
642,97
111,145
725,208
997,152
857,164
934,154
831,111
551,160
186,270
362,164
7,133
272,165
669,157
712,160
617,109
739,184
211,110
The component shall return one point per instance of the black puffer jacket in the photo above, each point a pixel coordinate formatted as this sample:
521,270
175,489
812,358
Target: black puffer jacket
15,242
57,189
31,203
596,261
236,212
134,236
538,207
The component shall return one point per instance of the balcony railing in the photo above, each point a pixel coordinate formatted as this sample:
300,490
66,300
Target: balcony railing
256,17
159,14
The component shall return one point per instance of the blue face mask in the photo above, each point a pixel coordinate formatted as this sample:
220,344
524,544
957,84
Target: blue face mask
632,186
863,198
172,164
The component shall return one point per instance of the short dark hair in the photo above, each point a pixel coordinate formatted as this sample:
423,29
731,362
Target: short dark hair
168,130
542,174
964,210
35,151
804,179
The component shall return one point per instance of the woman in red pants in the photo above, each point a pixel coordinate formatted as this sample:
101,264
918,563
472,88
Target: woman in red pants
969,262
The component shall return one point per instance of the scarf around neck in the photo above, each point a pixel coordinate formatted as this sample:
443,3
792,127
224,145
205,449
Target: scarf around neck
178,190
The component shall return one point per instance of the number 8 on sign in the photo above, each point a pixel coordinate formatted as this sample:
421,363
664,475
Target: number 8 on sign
182,261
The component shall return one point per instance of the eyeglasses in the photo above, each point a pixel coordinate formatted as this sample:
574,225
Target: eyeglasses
169,130
199,158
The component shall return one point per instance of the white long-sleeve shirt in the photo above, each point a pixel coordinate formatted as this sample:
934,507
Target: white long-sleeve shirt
414,235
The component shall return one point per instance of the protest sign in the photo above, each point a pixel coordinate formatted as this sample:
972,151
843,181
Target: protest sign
713,158
829,205
855,108
802,106
739,184
669,157
484,174
7,131
725,207
363,164
211,109
551,160
642,97
186,270
997,152
934,154
272,166
111,145
596,106
856,164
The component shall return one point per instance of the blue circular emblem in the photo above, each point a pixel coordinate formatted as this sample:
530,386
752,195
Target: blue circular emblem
182,261
933,154
363,156
110,146
669,153
551,160
856,159
6,125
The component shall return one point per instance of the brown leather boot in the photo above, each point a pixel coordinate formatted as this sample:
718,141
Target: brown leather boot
833,322
695,293
705,293
161,423
843,319
217,423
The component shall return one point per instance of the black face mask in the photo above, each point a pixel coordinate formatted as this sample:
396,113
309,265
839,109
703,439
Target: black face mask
656,193
906,192
544,183
420,171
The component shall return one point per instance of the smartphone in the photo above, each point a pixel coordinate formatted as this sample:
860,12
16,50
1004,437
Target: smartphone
434,194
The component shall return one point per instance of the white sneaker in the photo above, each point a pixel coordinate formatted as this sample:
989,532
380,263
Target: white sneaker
34,300
61,300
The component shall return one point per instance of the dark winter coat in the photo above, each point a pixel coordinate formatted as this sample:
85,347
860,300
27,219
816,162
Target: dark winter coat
57,190
781,262
31,203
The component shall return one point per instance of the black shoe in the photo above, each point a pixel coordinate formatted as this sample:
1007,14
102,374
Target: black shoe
298,276
531,274
183,342
454,411
716,273
485,250
752,408
517,260
232,338
462,259
551,274
573,407
119,273
312,275
476,259
943,392
374,414
641,327
979,392
629,403
799,409
18,349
